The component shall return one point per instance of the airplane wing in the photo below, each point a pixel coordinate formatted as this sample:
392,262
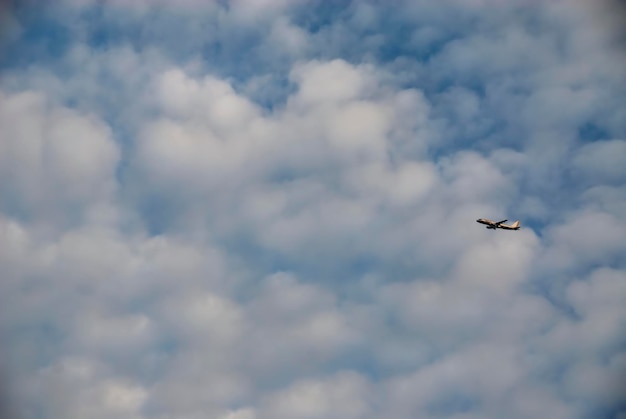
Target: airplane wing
503,221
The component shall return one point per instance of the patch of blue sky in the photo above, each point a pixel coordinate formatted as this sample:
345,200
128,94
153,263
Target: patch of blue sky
310,265
224,58
42,39
319,14
160,212
12,205
184,37
237,55
104,32
325,263
39,343
244,248
269,90
384,33
590,131
590,409
454,403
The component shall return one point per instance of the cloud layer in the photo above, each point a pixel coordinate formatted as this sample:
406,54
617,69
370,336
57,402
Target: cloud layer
255,210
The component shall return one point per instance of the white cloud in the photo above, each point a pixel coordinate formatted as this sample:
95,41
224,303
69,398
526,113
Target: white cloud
240,414
290,37
335,81
55,161
210,98
99,330
345,395
251,11
602,241
207,318
294,327
77,387
501,262
474,178
347,130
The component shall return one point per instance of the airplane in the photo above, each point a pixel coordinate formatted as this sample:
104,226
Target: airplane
499,224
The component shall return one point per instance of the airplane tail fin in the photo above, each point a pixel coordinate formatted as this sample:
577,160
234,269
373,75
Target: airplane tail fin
515,224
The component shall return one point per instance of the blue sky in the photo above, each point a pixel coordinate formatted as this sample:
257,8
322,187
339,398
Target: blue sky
266,209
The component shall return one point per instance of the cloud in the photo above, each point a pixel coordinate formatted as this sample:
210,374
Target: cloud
56,163
344,395
265,210
602,160
74,391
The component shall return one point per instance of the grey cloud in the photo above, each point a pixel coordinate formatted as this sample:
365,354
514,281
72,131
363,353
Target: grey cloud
602,161
345,395
57,165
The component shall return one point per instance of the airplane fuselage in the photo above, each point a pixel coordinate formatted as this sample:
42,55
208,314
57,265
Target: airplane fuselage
492,225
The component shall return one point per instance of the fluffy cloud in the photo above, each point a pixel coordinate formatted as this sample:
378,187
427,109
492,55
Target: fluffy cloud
57,165
345,395
255,210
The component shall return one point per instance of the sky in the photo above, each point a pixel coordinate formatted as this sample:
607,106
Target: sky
266,209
